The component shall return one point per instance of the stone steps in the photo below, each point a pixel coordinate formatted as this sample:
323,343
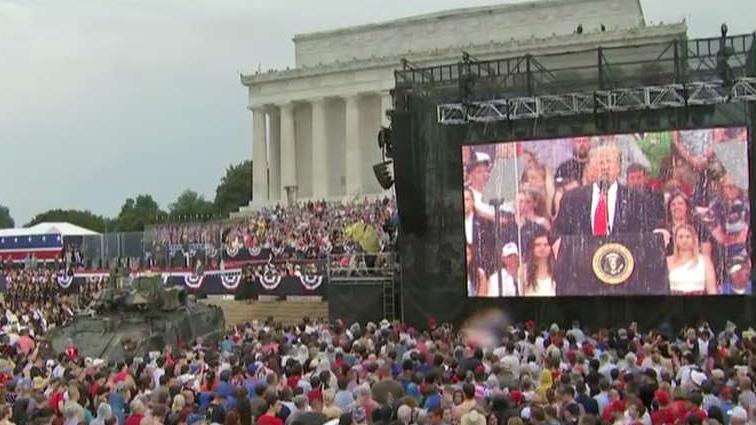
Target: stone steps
286,312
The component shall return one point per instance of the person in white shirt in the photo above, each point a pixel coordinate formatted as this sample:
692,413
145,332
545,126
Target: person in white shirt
606,365
511,360
478,175
503,283
158,371
577,332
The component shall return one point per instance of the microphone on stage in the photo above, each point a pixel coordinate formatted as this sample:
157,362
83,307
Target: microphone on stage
603,184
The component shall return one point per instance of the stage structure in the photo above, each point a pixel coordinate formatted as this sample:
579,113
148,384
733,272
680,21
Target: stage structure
602,92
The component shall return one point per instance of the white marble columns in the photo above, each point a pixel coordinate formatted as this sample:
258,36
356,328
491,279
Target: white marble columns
259,157
288,157
386,104
322,145
319,150
274,154
353,152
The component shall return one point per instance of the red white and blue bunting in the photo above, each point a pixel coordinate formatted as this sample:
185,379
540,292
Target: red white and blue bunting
311,282
230,280
232,251
193,281
280,278
65,280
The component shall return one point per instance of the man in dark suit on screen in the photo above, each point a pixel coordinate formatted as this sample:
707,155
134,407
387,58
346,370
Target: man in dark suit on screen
606,206
598,212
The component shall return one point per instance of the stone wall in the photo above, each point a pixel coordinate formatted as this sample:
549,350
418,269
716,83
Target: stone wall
462,27
286,312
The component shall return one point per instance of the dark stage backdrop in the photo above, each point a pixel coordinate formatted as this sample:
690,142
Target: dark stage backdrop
429,181
355,302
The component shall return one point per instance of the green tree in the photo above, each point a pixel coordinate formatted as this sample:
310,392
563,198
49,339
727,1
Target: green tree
137,213
5,218
191,205
233,190
81,218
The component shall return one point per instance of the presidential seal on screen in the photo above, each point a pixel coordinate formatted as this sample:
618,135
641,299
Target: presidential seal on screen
613,263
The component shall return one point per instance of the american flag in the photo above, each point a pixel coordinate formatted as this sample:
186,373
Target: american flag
44,247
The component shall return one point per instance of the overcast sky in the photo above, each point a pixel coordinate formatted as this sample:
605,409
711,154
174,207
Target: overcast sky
102,100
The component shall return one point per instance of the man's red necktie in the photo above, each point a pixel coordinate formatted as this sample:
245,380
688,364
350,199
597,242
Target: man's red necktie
601,218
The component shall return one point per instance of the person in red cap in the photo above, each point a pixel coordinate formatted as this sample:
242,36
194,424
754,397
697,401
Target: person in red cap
588,350
725,397
662,414
681,408
516,396
616,405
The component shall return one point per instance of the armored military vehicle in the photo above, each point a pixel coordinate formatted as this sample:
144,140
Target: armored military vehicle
134,317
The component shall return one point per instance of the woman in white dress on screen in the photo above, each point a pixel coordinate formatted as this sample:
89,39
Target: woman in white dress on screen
690,272
539,272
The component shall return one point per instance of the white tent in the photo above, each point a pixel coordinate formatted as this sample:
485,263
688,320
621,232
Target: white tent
52,228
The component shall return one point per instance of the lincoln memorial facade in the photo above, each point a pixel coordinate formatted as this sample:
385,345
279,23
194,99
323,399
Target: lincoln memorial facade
315,125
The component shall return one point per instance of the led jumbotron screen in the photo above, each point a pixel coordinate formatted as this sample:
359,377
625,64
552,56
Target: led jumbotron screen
658,213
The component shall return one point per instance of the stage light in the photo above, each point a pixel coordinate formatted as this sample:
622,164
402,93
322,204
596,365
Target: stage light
384,173
384,141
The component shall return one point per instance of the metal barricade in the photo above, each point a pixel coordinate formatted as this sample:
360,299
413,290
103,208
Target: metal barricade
349,265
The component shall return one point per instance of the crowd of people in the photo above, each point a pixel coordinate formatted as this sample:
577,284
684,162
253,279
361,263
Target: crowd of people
389,373
307,230
34,300
682,192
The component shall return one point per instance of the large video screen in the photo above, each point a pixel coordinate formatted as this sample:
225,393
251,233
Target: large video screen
658,213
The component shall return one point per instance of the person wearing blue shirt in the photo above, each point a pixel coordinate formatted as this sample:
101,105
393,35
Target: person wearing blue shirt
433,399
227,345
413,390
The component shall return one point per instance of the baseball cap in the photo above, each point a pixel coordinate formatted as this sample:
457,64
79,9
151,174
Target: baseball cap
525,413
479,158
662,397
516,396
736,262
725,392
697,377
566,174
509,249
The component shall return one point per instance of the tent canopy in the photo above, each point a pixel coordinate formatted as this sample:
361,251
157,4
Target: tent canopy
50,228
